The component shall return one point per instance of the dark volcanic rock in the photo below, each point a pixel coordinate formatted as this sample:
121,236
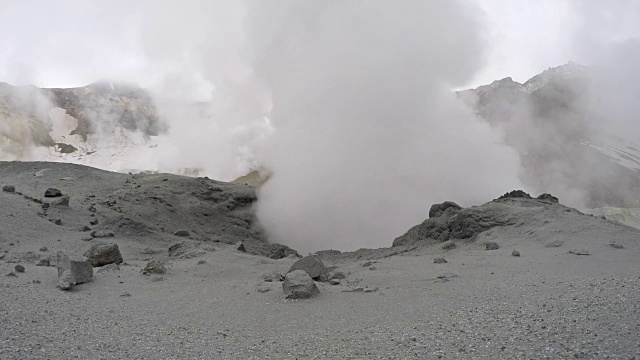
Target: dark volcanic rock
461,224
102,254
299,285
9,188
515,194
52,192
19,268
439,209
492,245
548,197
311,264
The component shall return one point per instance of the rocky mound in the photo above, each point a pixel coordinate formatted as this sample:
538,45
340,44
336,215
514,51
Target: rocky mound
167,208
511,212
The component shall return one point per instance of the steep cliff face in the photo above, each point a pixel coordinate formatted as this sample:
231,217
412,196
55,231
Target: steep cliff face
564,147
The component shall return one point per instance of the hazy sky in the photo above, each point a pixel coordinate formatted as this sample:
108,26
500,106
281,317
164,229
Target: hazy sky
69,43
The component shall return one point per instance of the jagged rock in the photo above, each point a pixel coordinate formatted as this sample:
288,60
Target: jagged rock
94,222
240,247
102,254
312,264
86,228
154,267
515,253
439,261
19,268
57,221
79,266
438,209
548,197
66,280
515,194
9,188
448,245
52,192
108,268
492,245
279,251
182,233
299,285
554,243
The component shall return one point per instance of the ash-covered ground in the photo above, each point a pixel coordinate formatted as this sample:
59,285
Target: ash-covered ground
515,278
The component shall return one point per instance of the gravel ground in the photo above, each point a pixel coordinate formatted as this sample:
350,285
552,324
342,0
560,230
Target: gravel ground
545,304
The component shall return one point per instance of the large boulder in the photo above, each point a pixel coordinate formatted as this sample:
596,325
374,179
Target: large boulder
299,285
103,254
311,264
79,266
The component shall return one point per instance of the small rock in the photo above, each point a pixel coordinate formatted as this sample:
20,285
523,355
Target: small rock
36,281
125,294
616,245
43,261
52,192
554,243
448,245
311,264
579,252
61,201
109,268
263,289
515,253
87,238
19,268
373,268
370,290
104,253
492,245
368,263
154,267
9,188
447,275
94,222
439,261
334,282
299,285
86,228
101,234
66,280
548,197
240,247
182,233
201,262
58,221
2,254
337,275
12,274
44,248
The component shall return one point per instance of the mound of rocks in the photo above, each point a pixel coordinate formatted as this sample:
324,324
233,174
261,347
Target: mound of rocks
449,221
299,285
102,254
312,265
